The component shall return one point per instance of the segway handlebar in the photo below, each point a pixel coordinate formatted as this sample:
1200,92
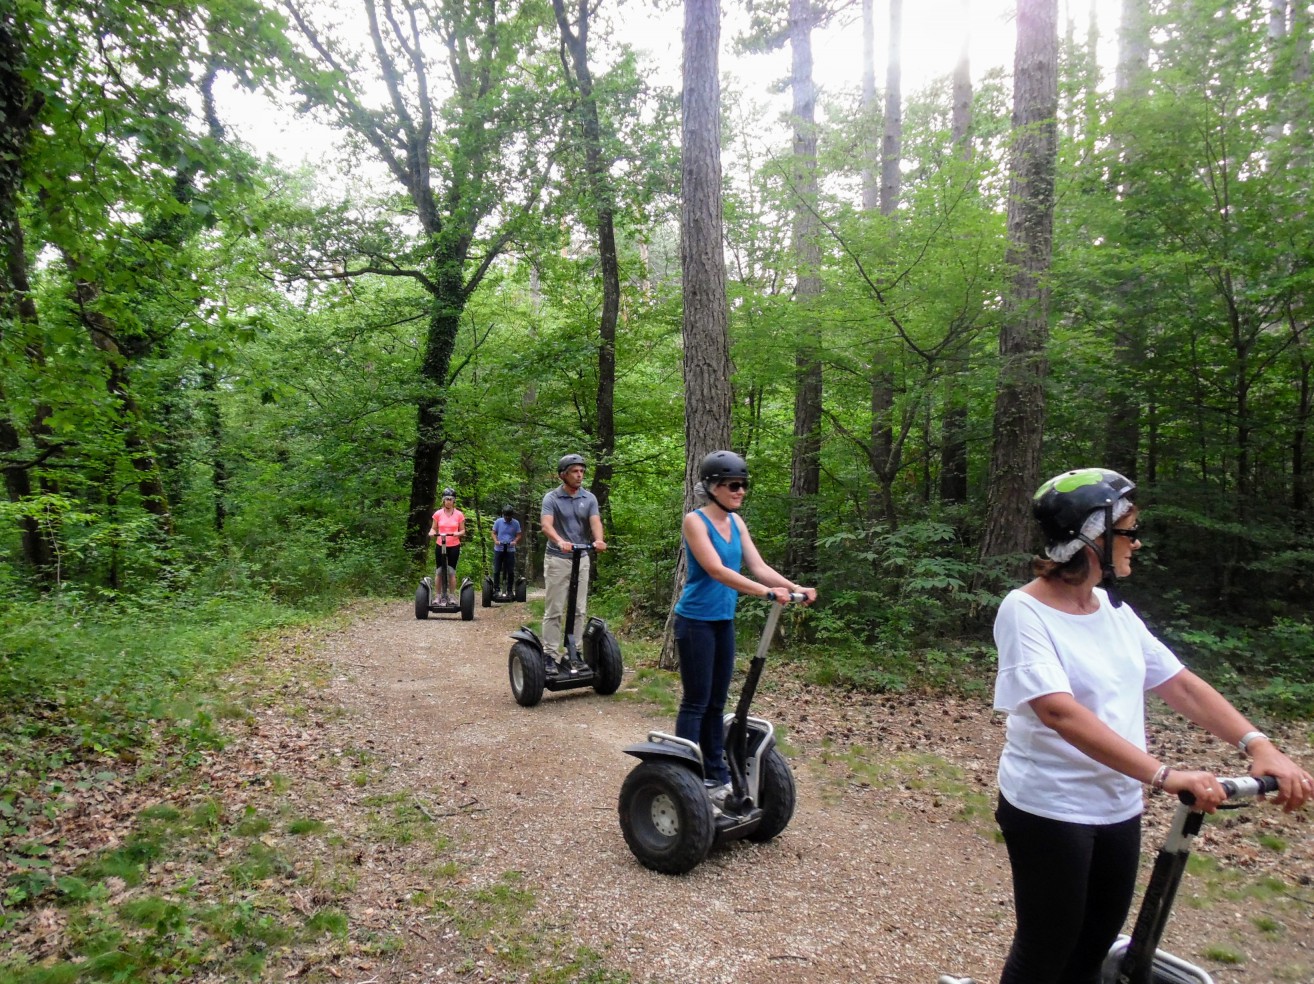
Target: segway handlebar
773,617
1242,787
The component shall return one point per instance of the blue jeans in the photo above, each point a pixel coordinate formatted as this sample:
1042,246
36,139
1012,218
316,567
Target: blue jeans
1072,888
707,662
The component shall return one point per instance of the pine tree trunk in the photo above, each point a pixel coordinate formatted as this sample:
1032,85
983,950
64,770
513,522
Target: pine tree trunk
707,394
1024,331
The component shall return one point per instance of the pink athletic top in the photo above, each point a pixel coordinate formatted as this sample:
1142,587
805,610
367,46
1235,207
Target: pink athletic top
448,523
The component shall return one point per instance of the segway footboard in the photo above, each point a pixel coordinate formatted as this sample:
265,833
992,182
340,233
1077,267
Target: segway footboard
1164,969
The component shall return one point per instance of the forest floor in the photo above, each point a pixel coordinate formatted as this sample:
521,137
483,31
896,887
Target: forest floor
437,831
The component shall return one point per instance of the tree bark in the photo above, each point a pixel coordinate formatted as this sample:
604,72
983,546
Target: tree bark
19,106
600,191
1122,435
1024,331
705,326
805,472
953,423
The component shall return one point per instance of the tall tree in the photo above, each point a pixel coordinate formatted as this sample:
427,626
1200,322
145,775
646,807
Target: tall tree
705,321
1019,414
1122,436
805,474
473,166
953,425
20,105
575,61
884,462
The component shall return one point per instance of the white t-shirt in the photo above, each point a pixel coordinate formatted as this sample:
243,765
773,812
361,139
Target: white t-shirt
1106,661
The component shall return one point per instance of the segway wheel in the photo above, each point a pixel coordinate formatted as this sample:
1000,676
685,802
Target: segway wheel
777,795
522,590
528,674
467,602
422,600
607,664
666,817
487,597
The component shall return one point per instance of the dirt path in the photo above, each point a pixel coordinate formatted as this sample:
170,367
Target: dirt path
888,871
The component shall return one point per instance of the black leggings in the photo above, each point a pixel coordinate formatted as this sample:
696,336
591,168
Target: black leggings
1072,888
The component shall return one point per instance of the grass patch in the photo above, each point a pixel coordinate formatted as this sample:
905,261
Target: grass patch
1223,955
89,683
660,688
1273,842
936,776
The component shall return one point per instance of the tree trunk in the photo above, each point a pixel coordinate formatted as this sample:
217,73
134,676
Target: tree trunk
444,322
1024,330
953,424
597,172
136,442
19,106
705,328
805,473
1122,435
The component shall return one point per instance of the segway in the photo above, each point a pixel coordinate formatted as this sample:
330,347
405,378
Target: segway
518,590
666,810
1136,959
596,664
425,600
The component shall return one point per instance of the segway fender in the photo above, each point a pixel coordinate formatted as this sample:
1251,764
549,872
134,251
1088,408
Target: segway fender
526,634
667,750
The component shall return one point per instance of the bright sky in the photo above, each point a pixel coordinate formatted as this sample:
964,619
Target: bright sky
932,36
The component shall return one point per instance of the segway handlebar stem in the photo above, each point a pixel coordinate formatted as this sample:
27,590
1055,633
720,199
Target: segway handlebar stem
773,617
1242,787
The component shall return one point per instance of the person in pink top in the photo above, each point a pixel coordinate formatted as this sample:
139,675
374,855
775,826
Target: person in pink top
448,529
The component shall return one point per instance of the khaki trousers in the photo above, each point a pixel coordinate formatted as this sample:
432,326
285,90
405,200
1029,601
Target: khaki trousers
556,586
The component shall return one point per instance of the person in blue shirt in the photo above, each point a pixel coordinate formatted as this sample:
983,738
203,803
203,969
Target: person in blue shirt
506,535
717,545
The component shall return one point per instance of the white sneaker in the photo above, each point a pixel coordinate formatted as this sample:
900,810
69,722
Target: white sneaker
946,979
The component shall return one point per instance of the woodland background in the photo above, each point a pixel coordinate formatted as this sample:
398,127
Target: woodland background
230,391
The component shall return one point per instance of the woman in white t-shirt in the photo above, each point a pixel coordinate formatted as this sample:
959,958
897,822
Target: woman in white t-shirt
1074,665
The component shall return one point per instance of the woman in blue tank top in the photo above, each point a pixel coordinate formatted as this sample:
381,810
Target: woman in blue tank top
717,546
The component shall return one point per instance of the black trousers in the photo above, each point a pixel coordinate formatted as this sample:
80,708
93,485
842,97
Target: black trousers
1072,888
504,566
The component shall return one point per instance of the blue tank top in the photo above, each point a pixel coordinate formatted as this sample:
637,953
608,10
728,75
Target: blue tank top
705,598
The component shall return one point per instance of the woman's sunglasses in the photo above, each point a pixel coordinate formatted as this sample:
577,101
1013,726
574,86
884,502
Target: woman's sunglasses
737,486
1132,534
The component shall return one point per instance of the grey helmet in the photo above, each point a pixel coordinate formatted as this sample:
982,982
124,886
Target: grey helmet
507,511
449,493
569,461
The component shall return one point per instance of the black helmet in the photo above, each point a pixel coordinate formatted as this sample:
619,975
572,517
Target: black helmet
570,460
449,493
507,510
1063,503
720,466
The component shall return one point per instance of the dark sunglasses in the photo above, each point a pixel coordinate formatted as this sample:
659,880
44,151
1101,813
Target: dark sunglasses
1132,534
737,486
